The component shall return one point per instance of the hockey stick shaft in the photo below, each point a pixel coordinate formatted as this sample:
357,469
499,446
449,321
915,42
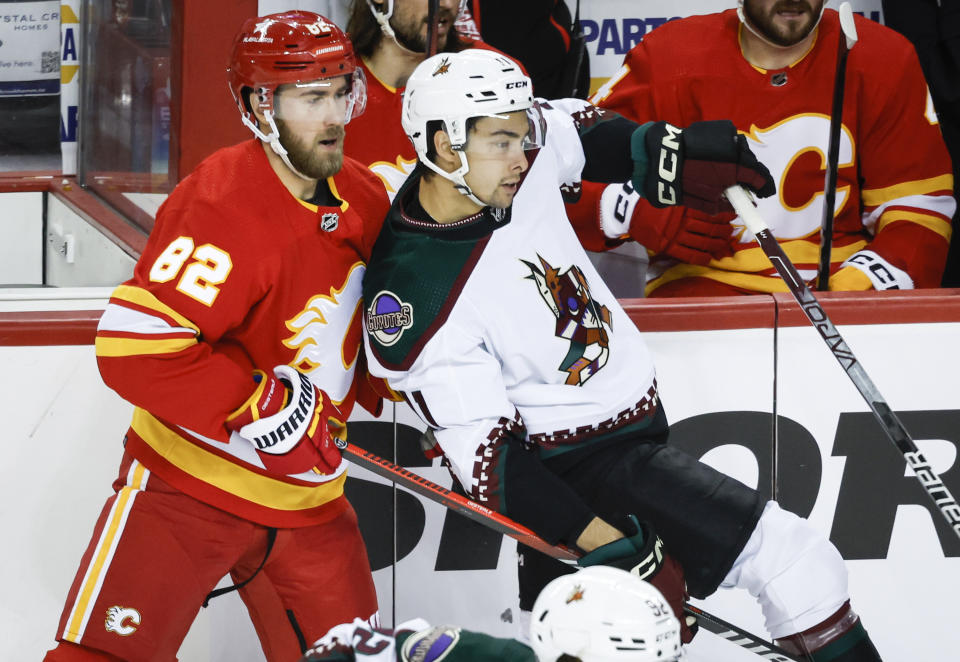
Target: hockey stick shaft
929,479
433,27
453,501
833,149
493,520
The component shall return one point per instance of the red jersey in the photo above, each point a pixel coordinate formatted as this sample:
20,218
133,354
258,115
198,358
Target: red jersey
239,274
894,186
377,139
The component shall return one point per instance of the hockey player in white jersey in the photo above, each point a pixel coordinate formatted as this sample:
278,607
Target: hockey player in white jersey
485,314
599,614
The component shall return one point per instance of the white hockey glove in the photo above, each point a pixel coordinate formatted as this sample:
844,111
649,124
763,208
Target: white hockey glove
292,424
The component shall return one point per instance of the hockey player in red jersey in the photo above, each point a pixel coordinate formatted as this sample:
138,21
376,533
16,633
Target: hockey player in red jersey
600,614
769,67
390,37
238,342
484,312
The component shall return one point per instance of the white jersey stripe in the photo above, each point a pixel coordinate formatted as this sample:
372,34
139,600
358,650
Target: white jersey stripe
120,318
103,553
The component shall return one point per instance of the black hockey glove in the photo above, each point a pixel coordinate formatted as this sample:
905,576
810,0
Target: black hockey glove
642,554
694,166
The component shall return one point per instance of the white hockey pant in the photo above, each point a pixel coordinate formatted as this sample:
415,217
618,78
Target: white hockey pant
796,574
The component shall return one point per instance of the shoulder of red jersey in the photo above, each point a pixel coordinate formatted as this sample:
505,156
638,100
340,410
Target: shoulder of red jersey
225,177
360,186
690,40
877,45
226,198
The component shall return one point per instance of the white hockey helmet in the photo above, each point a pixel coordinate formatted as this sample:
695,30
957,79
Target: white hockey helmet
756,32
455,87
604,614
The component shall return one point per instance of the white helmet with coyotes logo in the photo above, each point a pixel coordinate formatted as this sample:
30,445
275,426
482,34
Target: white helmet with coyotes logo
452,88
604,614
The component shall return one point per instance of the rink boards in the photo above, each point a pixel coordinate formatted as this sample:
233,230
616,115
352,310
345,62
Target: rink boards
724,366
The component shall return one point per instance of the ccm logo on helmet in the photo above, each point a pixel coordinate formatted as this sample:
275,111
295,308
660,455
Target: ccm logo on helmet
669,159
515,85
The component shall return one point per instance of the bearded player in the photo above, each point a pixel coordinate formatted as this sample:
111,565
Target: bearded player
237,342
769,66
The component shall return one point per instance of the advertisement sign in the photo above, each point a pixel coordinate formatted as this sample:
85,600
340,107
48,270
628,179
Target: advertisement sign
613,27
70,84
29,39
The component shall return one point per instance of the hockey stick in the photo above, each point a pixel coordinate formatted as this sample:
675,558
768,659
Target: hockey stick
433,18
572,70
848,37
456,502
888,420
494,520
741,638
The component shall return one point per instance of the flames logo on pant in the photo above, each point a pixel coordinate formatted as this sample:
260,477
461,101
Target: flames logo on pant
122,620
580,319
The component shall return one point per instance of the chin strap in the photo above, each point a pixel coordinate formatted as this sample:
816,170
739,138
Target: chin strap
383,19
273,139
457,177
756,33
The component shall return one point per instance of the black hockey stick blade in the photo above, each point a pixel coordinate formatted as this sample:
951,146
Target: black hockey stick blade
742,638
506,526
894,429
848,37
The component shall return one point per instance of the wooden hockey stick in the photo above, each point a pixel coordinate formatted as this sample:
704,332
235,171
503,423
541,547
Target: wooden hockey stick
934,486
497,522
848,37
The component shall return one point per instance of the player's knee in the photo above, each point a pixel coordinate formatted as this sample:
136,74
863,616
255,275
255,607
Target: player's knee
797,575
70,652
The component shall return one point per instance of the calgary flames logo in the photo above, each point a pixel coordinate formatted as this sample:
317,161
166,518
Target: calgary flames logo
122,620
327,333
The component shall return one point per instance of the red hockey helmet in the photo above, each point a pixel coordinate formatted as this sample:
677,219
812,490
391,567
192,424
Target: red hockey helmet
291,47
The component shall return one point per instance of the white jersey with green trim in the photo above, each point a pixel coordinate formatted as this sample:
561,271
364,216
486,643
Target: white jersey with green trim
523,332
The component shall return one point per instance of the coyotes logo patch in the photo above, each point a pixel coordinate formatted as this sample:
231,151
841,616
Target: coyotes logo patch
580,319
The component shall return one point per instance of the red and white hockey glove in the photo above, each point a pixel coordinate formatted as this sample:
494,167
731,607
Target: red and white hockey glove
292,424
690,239
642,554
694,166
